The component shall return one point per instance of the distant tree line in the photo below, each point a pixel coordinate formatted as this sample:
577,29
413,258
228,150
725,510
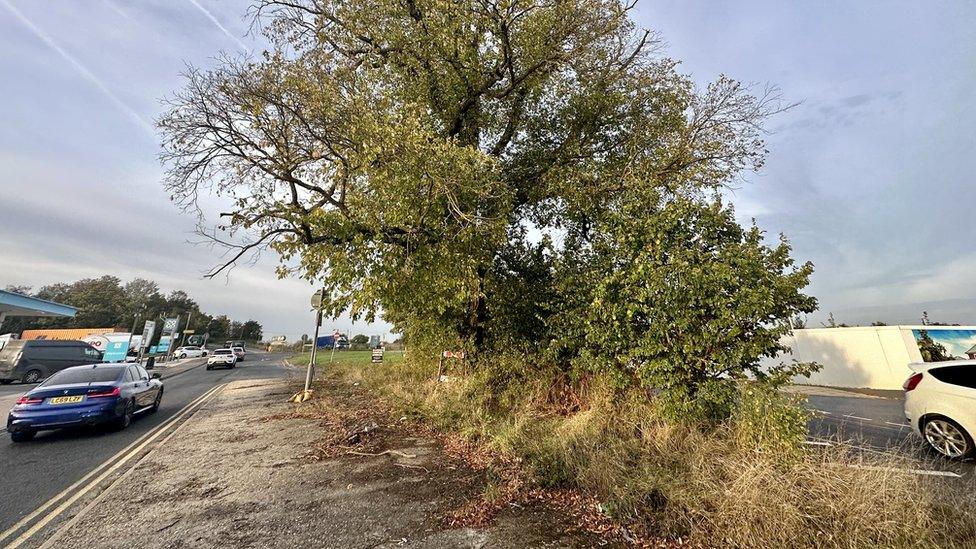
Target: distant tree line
832,323
107,302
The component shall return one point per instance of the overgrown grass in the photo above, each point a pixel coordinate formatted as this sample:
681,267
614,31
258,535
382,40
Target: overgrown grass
728,486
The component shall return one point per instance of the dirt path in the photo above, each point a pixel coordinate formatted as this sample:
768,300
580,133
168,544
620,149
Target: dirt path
250,470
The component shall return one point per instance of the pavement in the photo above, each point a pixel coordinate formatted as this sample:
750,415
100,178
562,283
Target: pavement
42,475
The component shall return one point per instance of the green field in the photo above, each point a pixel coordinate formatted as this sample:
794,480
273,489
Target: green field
347,357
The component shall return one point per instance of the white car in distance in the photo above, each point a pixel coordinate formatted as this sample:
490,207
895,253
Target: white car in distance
940,404
190,352
222,358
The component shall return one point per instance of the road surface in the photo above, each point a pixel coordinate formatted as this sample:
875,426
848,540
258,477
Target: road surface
35,472
867,423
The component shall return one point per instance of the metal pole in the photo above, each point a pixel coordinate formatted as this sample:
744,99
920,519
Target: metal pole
315,344
172,339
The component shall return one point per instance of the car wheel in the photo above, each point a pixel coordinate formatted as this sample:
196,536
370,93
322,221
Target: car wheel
22,436
947,437
125,419
210,366
32,376
155,406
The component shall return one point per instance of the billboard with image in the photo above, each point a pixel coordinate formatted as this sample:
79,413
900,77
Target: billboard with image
939,344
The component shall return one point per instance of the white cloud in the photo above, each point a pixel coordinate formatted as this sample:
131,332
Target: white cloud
220,26
80,68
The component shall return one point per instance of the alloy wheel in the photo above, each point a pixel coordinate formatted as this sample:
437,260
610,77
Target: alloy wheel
32,376
946,438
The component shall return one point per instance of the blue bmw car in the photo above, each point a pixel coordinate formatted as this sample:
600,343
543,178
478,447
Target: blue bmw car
97,394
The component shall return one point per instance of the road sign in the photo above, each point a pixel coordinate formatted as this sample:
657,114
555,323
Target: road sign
317,300
377,356
115,351
163,345
147,332
170,325
188,332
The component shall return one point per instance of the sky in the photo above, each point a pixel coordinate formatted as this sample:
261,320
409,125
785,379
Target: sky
869,176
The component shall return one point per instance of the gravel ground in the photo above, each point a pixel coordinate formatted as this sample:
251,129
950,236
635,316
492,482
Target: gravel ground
251,470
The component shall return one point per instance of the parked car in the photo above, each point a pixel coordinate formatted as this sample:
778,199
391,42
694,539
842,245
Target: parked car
33,360
940,404
222,358
239,351
85,395
190,352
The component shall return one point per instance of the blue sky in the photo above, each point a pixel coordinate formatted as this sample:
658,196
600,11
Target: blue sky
870,175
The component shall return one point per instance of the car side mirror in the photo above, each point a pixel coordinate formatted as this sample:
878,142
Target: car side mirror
156,375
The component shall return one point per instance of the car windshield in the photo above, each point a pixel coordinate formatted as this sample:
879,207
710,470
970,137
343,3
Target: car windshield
223,352
84,375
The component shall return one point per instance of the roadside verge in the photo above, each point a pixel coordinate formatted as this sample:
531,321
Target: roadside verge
254,470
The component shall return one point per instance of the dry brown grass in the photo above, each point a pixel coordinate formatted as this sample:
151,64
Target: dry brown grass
654,479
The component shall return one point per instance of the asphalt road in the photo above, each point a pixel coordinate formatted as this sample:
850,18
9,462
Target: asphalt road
870,424
31,473
875,422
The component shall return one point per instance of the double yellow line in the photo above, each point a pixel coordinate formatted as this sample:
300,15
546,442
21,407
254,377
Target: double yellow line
79,489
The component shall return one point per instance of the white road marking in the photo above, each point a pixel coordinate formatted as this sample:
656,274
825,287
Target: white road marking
139,444
913,471
817,443
897,424
852,416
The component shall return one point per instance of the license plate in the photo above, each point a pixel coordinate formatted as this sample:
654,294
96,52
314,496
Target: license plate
66,400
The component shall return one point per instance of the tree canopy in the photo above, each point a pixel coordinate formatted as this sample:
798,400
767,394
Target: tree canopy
106,302
489,174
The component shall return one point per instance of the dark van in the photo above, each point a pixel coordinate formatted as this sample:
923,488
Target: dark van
33,360
235,343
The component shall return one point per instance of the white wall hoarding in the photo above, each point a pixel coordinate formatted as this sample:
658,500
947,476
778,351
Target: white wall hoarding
875,357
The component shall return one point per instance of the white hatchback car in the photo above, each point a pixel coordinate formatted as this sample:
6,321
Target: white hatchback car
239,351
189,352
940,404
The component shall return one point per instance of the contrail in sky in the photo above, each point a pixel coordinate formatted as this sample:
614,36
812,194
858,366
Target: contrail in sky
222,28
129,111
